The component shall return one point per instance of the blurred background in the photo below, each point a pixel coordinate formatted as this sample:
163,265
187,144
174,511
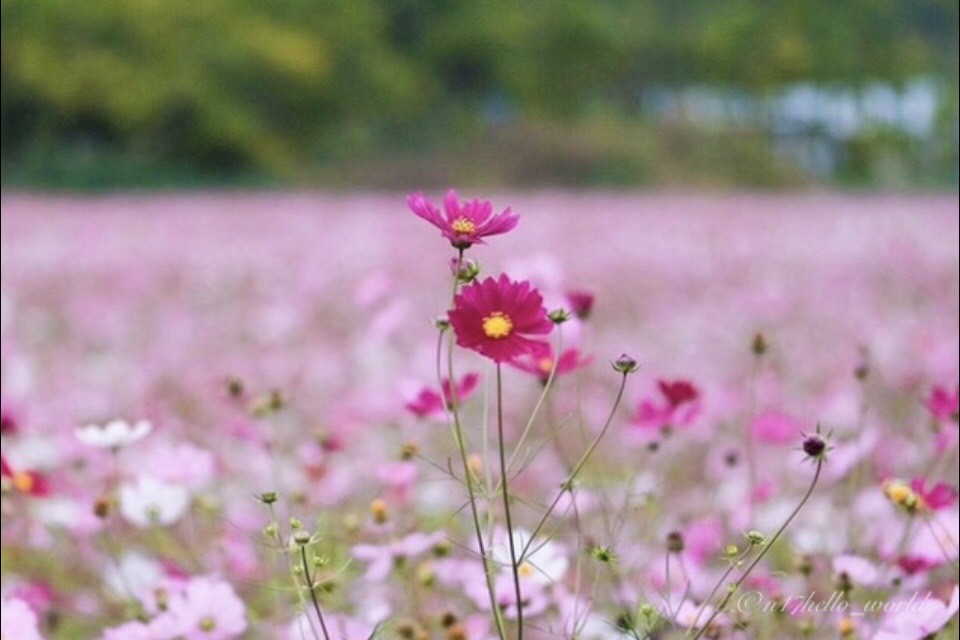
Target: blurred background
399,93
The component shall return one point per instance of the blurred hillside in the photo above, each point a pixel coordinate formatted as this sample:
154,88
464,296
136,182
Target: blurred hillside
392,93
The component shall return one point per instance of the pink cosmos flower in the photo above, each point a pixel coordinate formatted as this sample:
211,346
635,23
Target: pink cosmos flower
381,560
775,428
935,498
340,628
163,627
430,403
18,621
209,610
944,405
500,319
581,303
919,620
464,224
542,364
859,571
9,419
28,483
913,565
679,406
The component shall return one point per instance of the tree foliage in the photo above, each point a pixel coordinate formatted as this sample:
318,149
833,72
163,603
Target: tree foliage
275,86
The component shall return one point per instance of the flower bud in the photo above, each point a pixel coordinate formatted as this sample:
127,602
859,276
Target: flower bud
760,345
301,538
559,316
466,270
269,498
675,542
756,539
815,446
626,365
379,511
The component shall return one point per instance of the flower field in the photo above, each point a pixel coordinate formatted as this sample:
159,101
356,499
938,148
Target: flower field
590,416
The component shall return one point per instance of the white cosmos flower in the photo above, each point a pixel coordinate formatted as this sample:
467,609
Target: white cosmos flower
153,503
547,562
114,435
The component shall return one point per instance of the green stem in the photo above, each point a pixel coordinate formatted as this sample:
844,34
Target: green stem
734,565
514,558
311,587
453,414
760,556
528,429
568,485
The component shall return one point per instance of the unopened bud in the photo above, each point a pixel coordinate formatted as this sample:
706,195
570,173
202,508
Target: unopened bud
760,345
756,539
675,542
379,511
626,365
559,316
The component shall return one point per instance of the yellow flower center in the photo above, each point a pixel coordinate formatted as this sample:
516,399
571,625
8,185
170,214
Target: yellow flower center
464,226
497,326
902,495
847,627
23,482
526,570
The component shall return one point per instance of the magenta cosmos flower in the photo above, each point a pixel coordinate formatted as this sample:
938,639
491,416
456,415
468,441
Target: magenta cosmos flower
430,402
680,406
500,319
464,224
542,363
944,405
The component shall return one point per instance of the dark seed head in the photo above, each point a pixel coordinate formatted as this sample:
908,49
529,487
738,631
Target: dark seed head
814,446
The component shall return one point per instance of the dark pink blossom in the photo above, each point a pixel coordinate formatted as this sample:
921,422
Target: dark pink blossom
28,483
500,319
937,497
429,402
678,406
775,428
581,303
464,224
944,405
542,364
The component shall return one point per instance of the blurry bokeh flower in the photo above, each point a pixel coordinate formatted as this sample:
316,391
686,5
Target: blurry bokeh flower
114,435
542,364
678,405
18,621
934,497
381,560
581,303
29,483
209,609
944,405
924,619
150,502
429,402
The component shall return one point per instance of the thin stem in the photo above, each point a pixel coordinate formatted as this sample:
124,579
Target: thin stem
311,587
943,549
528,429
514,558
568,485
734,565
453,415
766,549
751,448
